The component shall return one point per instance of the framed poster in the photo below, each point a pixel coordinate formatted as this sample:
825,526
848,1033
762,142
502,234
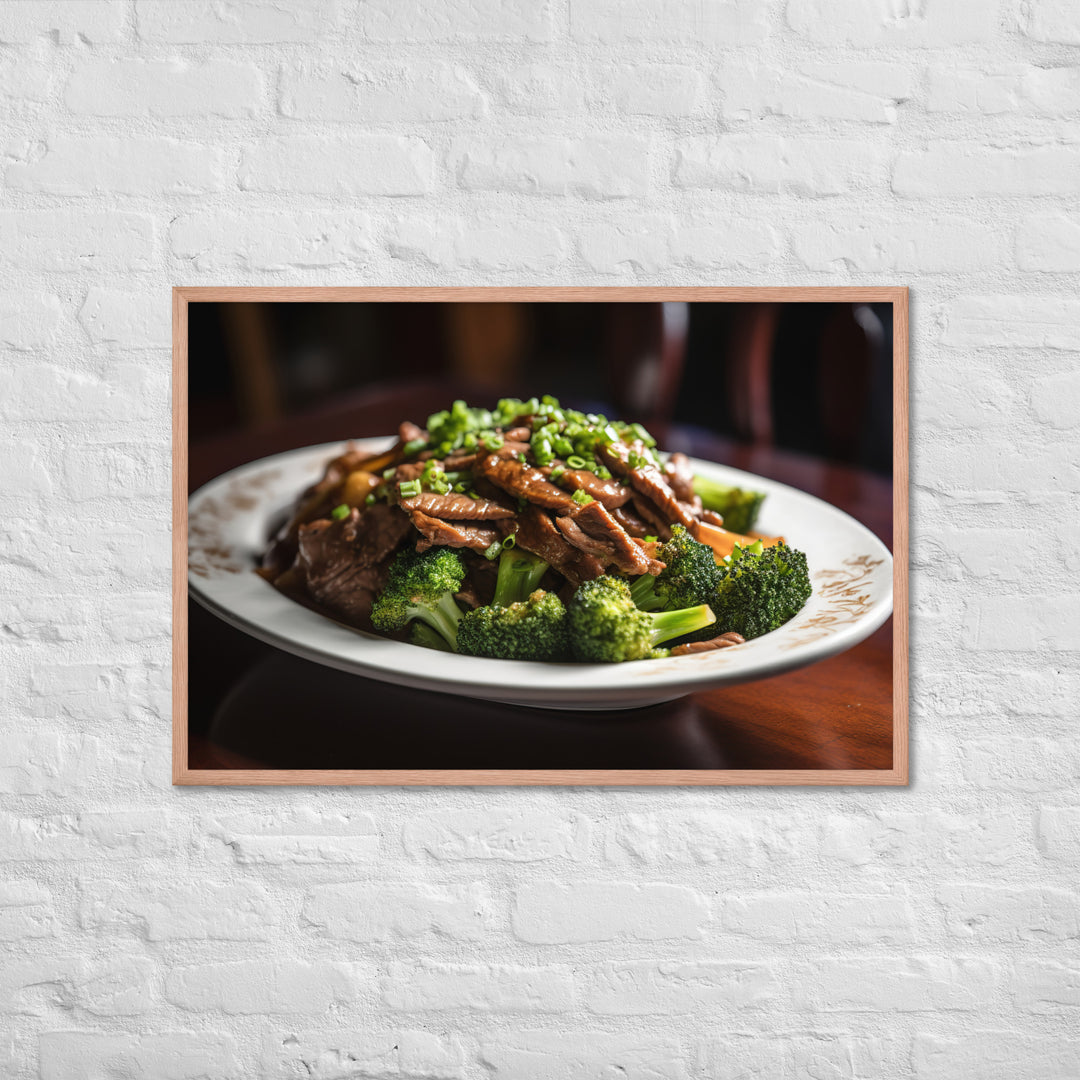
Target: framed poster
540,536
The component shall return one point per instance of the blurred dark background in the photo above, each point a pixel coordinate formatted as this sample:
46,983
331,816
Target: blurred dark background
806,377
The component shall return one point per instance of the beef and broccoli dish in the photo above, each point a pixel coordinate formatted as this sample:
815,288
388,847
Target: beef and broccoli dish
535,532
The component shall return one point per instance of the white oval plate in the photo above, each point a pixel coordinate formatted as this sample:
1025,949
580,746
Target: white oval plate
231,517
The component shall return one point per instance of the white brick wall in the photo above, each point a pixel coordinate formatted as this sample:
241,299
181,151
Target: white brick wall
150,933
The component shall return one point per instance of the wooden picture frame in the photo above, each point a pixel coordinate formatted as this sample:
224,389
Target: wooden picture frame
183,775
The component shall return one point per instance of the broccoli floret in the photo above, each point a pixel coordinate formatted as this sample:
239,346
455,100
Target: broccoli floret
422,586
532,629
423,635
604,626
689,577
739,507
519,576
760,589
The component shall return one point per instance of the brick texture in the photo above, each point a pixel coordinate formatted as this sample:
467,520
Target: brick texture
451,934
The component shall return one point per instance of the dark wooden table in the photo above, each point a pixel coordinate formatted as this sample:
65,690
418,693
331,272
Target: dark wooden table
253,706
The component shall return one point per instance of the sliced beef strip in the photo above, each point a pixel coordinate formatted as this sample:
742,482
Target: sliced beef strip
456,507
468,595
582,541
649,481
411,470
380,531
456,534
480,577
680,477
342,563
507,451
486,489
594,530
409,432
711,517
724,641
657,525
537,533
609,492
632,522
319,499
518,434
523,482
631,560
459,460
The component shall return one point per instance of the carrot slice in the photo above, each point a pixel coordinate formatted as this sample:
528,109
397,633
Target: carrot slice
723,542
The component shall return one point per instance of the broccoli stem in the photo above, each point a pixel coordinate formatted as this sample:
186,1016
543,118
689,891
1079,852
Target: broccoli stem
739,507
429,638
673,624
519,577
643,593
444,617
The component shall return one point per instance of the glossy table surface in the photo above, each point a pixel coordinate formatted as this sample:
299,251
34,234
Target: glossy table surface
253,706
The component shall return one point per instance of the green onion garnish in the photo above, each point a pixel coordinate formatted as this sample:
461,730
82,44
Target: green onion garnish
493,551
340,513
413,446
603,472
509,542
557,472
582,497
651,539
409,488
370,500
576,461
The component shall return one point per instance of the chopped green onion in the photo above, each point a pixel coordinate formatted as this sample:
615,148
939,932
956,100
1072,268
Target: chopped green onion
460,489
651,539
370,500
509,542
413,446
473,495
522,457
576,461
409,488
582,497
603,472
563,446
492,440
340,513
493,551
557,472
388,473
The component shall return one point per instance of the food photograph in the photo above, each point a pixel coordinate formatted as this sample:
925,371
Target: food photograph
522,536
